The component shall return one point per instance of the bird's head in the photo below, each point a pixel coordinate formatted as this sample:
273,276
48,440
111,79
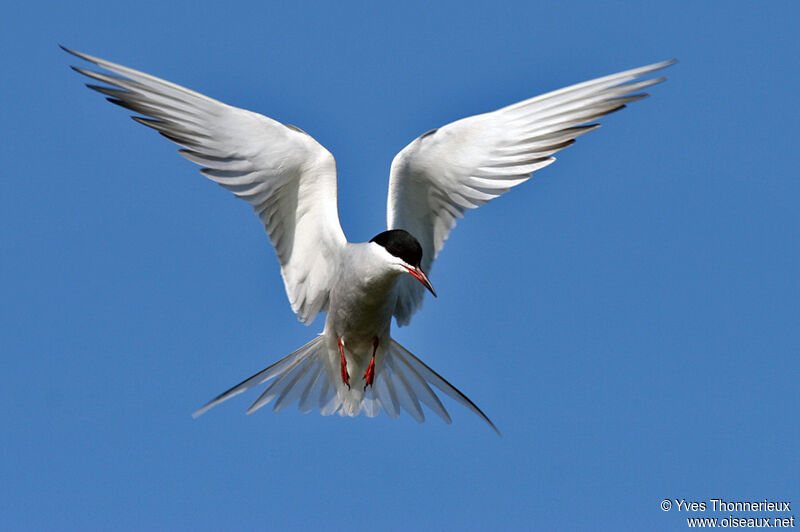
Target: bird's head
405,254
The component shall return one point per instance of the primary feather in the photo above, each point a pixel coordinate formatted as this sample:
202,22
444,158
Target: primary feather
460,166
283,173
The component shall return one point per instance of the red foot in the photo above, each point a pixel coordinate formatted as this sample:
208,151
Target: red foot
345,375
369,375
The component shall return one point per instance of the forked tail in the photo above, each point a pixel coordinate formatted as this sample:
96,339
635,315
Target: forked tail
403,382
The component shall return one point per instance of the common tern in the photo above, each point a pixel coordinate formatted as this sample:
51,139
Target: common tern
354,366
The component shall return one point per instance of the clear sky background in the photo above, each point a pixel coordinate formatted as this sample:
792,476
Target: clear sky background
628,318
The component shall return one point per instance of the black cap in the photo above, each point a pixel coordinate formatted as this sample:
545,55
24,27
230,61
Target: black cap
401,244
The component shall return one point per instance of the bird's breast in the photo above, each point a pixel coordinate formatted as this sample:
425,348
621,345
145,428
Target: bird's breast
361,309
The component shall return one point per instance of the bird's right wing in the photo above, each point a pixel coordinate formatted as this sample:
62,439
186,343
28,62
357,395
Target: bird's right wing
283,173
467,163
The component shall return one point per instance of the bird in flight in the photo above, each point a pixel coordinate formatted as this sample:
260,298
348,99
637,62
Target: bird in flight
354,366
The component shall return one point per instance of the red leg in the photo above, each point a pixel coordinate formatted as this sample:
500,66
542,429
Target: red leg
369,375
345,375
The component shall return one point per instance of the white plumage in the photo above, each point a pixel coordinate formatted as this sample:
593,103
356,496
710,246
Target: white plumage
290,181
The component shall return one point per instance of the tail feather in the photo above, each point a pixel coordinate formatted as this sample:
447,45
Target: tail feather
424,391
310,396
327,404
428,375
402,382
278,368
386,395
291,388
408,397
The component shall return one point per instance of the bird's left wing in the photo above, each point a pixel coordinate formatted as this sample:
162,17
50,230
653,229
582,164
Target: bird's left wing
283,173
467,163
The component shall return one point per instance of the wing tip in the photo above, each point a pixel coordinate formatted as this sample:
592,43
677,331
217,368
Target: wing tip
657,66
69,50
85,57
202,410
149,122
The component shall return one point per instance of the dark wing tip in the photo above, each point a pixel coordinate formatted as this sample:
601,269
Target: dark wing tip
74,52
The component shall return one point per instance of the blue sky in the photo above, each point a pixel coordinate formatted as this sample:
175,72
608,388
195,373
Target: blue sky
628,318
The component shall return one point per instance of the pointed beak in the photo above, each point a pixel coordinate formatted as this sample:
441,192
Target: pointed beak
421,277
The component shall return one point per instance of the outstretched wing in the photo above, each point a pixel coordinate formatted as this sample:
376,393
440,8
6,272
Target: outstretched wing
467,163
286,175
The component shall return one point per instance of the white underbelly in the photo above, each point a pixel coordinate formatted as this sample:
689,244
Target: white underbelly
361,319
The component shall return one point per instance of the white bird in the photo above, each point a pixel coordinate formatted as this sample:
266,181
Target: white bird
289,179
